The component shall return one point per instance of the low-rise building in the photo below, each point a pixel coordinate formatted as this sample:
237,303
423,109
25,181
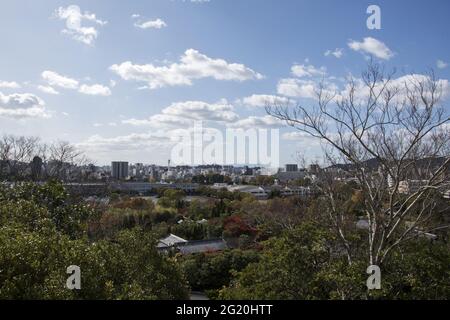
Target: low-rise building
258,192
175,243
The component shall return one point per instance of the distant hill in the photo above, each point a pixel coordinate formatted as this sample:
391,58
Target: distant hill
372,164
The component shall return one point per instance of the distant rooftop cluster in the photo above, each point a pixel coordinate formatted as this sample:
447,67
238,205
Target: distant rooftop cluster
125,171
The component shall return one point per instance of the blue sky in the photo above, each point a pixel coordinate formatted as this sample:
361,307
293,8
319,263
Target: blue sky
117,83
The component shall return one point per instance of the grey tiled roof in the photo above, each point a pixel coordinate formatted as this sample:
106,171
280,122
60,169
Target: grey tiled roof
189,247
202,246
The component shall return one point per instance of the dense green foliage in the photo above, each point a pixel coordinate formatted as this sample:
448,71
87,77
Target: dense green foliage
305,263
42,232
211,271
282,248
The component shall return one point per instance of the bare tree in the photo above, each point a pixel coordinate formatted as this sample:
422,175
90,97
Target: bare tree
19,156
15,155
62,157
400,126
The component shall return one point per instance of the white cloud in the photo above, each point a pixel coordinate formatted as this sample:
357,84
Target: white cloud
199,110
162,121
303,140
20,100
266,121
55,79
156,140
296,135
151,24
361,91
302,70
373,47
297,88
74,19
95,90
133,141
335,88
9,85
261,100
22,105
48,90
193,65
337,53
441,64
411,81
183,114
300,88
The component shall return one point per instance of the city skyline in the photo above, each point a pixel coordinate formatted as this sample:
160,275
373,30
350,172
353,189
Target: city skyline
120,80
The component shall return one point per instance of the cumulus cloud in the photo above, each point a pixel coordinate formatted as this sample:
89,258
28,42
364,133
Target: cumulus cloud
133,141
337,53
183,114
48,90
399,85
56,80
75,19
22,106
95,90
159,121
302,139
9,85
264,122
295,135
296,88
193,65
335,89
300,88
261,100
302,70
199,110
373,47
151,24
151,140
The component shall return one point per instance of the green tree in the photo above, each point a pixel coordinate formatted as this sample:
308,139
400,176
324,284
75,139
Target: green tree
308,263
43,231
287,267
211,271
190,230
33,266
172,199
29,203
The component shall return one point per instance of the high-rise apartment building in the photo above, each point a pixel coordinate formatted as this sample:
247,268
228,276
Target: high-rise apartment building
119,170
